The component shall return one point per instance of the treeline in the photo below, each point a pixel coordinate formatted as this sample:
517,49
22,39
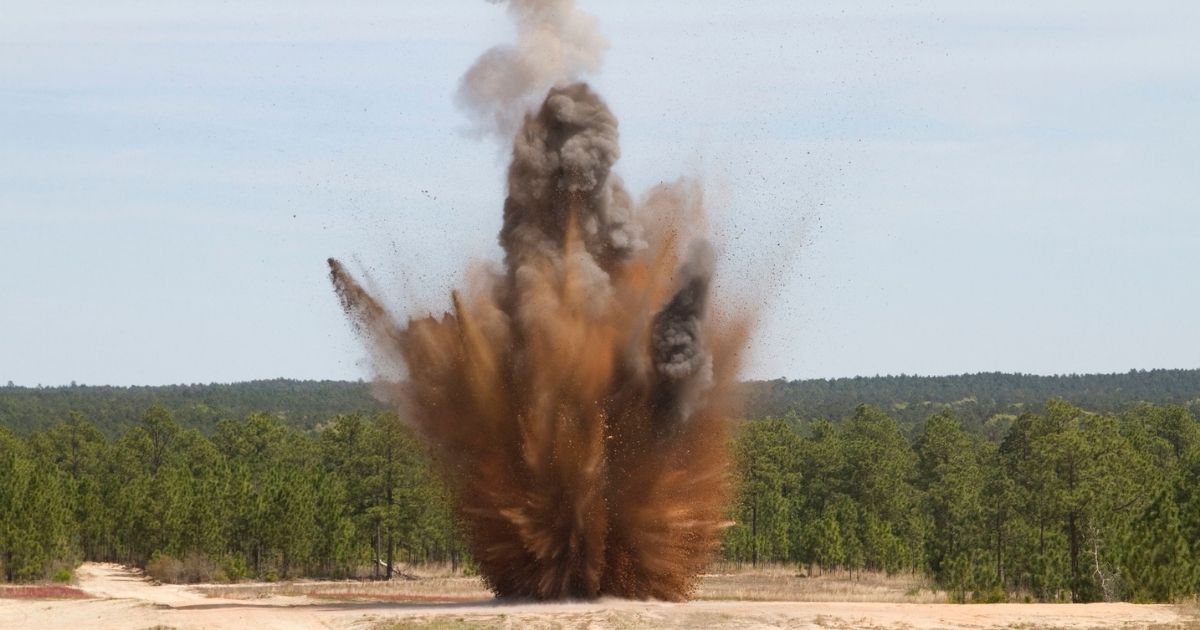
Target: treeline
114,410
985,403
256,499
1069,505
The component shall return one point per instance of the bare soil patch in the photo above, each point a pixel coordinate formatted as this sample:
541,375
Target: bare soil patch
123,598
42,591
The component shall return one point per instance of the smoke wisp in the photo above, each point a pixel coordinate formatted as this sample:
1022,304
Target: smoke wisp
556,43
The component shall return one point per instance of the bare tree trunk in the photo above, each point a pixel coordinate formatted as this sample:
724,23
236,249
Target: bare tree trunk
375,565
391,536
1000,549
391,554
754,535
1074,551
1108,578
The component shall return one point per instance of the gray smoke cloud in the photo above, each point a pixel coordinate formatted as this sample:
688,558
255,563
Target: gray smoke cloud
681,359
561,171
677,332
556,43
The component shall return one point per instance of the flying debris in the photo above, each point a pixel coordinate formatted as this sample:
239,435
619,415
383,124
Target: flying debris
578,400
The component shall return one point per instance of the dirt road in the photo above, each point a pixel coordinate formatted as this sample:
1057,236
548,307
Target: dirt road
123,599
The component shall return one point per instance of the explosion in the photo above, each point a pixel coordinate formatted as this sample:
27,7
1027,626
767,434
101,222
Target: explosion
578,400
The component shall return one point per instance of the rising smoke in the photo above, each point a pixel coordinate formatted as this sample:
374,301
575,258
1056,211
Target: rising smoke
578,399
556,43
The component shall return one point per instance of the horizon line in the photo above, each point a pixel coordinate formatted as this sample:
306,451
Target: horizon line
73,384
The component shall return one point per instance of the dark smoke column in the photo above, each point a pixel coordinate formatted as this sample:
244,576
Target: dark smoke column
578,399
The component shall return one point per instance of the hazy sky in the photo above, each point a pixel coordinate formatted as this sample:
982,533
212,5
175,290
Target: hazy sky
934,187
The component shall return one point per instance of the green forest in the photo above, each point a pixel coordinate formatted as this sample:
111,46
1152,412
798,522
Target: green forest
984,402
1069,505
992,494
256,499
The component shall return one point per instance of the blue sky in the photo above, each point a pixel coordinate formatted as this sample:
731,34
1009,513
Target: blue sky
928,187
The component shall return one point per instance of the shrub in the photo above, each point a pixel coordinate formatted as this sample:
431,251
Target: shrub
234,568
61,571
193,569
198,568
164,568
994,595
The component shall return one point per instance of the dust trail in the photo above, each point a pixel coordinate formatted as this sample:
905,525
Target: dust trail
578,399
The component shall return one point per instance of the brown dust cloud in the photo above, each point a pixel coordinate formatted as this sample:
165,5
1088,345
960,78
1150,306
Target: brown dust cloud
578,398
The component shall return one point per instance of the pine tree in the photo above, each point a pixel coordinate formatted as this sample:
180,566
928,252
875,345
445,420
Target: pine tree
952,477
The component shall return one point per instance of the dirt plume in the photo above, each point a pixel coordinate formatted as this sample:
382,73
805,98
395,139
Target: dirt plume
579,398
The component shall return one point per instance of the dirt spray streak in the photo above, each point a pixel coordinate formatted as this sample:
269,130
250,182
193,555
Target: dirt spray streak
578,400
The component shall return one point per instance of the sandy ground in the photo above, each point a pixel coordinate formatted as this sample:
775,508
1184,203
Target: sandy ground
123,599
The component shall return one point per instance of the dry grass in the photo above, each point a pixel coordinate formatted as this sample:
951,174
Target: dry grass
845,616
777,583
193,569
437,569
784,583
42,591
433,623
1190,610
427,589
622,619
